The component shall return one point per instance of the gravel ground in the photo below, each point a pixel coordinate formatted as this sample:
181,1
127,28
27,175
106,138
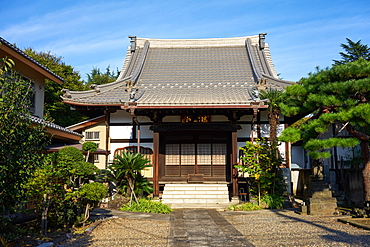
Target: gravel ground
261,228
124,232
286,228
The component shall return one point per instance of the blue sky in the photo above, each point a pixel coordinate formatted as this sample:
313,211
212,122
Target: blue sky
90,33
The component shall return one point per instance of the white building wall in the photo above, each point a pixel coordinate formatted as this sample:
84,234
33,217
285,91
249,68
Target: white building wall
245,131
39,90
121,132
145,132
101,128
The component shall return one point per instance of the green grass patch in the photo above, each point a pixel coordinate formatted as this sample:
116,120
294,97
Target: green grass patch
147,206
248,206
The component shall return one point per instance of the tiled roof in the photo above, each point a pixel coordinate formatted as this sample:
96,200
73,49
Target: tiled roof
37,120
201,72
16,49
57,147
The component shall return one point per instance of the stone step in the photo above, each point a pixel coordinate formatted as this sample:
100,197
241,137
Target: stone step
198,194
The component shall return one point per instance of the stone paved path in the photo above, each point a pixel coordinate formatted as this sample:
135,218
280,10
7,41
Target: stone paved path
202,227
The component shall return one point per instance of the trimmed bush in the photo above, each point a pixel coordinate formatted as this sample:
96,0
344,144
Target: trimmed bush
248,206
147,206
70,155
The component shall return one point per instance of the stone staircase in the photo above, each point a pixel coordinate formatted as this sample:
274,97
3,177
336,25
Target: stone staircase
196,195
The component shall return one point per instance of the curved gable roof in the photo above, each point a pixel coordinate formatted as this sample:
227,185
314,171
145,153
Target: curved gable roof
187,72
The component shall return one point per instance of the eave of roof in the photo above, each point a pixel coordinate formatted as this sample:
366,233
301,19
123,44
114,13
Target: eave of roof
57,147
26,65
56,131
86,123
221,106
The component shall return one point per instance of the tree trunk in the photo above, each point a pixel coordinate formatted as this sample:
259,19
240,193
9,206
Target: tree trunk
44,214
87,156
273,121
366,156
87,213
132,194
366,170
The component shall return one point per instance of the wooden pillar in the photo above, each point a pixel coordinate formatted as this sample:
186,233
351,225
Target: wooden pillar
156,163
234,160
107,134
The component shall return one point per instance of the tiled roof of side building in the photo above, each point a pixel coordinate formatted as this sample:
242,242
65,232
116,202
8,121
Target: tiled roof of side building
16,49
37,120
188,72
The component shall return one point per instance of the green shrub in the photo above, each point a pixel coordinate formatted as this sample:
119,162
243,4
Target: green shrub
70,155
273,201
147,206
93,192
248,206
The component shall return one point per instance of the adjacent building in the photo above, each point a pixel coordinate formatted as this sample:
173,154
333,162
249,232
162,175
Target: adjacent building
38,73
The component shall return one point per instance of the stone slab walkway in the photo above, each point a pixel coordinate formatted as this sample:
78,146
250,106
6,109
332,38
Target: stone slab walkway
202,227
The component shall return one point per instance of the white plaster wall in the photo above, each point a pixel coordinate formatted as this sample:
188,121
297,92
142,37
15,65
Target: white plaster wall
114,146
294,179
121,132
265,130
298,157
120,116
282,150
39,89
145,132
244,131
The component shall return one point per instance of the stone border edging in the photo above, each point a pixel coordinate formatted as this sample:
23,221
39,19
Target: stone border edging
354,223
91,228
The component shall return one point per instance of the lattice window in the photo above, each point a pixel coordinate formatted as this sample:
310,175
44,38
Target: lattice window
92,135
204,154
219,152
187,154
172,154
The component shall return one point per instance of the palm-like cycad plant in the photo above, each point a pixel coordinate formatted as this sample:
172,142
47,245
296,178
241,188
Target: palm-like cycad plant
275,97
126,171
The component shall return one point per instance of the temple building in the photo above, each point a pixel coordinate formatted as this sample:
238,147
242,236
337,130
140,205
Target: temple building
188,104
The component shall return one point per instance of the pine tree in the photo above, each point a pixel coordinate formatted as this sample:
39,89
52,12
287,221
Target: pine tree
99,78
353,52
340,96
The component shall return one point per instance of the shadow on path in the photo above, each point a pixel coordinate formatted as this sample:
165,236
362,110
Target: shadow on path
336,235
